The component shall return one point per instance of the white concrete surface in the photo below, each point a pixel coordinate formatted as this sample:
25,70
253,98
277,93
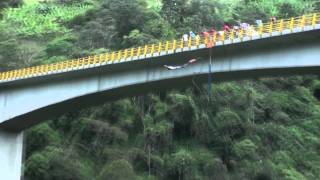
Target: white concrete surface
11,150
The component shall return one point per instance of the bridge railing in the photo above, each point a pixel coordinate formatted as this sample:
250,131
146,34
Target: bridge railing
264,30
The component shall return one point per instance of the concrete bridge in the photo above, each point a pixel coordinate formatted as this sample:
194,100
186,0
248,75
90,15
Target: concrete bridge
25,102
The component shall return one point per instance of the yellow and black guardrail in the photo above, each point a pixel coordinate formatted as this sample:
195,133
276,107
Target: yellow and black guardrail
261,31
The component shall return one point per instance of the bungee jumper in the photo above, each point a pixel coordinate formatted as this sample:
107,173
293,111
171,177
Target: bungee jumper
191,61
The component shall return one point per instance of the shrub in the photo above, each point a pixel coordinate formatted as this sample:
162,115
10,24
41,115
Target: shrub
117,170
215,169
245,149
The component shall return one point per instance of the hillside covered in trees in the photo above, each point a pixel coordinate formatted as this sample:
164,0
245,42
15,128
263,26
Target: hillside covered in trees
260,129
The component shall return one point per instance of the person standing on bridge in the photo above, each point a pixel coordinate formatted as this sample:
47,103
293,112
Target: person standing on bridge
245,27
212,31
227,27
197,38
205,34
192,35
259,23
236,30
207,38
212,37
185,38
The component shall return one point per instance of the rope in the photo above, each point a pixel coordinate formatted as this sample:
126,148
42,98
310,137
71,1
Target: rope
209,74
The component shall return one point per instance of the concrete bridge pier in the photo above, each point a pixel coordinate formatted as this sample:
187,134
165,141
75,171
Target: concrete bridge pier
11,155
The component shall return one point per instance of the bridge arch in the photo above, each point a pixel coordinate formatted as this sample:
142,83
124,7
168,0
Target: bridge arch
27,102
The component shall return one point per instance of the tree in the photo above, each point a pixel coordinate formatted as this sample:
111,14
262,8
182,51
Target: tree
62,164
137,38
8,3
182,164
244,149
37,166
62,46
114,22
228,127
215,169
202,15
9,48
173,11
40,137
126,15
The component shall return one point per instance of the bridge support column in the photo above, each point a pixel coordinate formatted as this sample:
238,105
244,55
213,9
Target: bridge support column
11,152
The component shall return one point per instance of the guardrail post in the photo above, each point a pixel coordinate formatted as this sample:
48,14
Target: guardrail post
152,49
112,56
303,21
145,50
131,52
76,65
189,42
261,30
107,57
232,35
139,51
270,28
13,74
241,34
314,20
159,47
291,24
223,37
24,71
167,46
281,26
16,73
30,72
197,40
5,75
8,75
125,54
206,40
95,60
119,56
251,32
1,76
174,47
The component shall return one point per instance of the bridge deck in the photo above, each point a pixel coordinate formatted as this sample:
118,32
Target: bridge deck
268,30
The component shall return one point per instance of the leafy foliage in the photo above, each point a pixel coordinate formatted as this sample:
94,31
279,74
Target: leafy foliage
117,170
40,19
9,57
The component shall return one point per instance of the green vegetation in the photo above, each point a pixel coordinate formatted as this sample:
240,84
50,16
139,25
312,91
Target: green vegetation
255,129
41,19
